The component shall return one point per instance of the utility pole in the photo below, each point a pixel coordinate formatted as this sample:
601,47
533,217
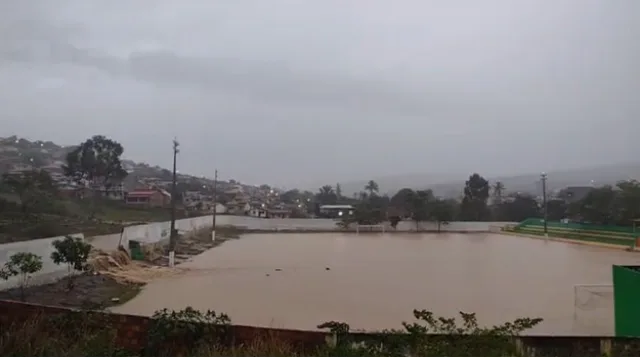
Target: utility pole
543,176
172,231
215,203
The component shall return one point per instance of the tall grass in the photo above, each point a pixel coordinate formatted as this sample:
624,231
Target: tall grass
76,334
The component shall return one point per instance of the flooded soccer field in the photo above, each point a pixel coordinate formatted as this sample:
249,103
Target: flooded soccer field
374,281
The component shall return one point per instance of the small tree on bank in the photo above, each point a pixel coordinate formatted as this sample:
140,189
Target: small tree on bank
74,252
23,265
419,202
442,212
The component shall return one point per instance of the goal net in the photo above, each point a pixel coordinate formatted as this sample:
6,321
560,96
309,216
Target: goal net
370,228
592,304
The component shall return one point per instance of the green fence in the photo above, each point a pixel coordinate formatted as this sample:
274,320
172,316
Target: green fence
575,226
616,235
626,300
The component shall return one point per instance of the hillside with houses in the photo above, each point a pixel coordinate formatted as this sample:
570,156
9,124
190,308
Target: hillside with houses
39,199
146,186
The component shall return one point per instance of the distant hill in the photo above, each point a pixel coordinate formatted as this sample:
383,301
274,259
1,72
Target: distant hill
16,151
448,186
19,153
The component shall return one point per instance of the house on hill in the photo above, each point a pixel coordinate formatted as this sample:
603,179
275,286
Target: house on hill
153,197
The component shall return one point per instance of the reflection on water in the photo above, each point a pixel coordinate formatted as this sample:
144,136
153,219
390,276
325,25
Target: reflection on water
375,281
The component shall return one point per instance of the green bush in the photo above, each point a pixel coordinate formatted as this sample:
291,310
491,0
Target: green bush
23,265
433,336
73,252
178,332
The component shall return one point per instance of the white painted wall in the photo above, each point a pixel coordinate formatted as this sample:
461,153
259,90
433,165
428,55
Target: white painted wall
322,223
155,232
42,247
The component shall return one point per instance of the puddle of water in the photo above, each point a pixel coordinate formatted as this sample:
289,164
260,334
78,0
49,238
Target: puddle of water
375,281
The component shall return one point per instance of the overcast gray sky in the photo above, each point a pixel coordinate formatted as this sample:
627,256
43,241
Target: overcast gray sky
290,92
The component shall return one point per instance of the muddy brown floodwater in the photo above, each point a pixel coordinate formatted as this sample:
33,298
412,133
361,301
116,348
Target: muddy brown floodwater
375,281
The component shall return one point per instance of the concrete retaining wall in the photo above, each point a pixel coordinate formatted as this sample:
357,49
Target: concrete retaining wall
148,233
42,247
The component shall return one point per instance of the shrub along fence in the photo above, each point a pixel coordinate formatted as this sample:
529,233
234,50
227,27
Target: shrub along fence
143,336
615,235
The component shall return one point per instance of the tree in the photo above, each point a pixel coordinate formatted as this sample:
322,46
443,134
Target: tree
371,187
401,202
598,207
419,202
556,209
74,252
474,203
498,190
326,196
32,188
23,265
290,196
442,212
519,208
96,161
628,201
368,213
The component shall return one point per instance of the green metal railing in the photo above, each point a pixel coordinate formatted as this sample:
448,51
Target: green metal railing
616,235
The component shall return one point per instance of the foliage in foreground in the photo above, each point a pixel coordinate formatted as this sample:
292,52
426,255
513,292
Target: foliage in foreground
74,252
193,333
23,265
434,336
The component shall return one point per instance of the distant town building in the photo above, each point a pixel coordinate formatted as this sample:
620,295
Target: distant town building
278,213
336,211
148,198
258,210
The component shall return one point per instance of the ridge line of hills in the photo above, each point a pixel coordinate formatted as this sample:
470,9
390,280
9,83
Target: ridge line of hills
597,175
16,152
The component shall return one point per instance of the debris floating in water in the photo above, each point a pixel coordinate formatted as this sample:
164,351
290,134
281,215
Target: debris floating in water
278,269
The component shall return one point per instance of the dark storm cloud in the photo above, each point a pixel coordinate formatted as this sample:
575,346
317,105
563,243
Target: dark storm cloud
330,90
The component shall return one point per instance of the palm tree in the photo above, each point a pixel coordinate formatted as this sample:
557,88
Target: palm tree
498,190
326,195
372,187
326,190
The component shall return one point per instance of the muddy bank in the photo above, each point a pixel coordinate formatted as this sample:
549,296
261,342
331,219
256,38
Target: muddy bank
89,292
112,279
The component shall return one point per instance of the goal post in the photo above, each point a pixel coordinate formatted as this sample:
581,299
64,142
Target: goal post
370,228
592,302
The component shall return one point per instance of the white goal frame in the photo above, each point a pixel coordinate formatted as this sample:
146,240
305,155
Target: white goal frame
371,226
576,289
